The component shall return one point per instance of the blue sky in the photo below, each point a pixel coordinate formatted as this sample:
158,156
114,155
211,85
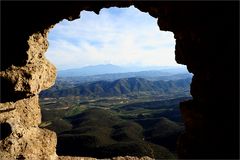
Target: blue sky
120,36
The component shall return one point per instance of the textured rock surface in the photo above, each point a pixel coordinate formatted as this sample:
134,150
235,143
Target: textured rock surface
207,42
20,107
37,74
75,158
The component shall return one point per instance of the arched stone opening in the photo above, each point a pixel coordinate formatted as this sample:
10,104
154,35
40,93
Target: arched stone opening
199,28
69,138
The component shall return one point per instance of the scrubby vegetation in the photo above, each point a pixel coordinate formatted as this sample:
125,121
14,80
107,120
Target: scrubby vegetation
129,116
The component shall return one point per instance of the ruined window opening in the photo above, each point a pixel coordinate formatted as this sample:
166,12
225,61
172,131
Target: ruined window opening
5,130
118,135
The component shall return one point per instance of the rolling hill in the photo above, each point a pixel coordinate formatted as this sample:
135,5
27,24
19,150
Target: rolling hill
126,86
113,114
101,133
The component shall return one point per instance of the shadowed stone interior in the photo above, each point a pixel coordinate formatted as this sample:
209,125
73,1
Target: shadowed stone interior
5,130
207,42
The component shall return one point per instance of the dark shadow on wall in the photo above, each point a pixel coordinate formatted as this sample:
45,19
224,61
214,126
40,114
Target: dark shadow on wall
8,93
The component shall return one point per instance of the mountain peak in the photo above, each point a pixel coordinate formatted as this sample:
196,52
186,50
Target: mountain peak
101,69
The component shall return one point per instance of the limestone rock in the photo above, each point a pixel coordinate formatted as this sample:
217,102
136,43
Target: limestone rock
132,158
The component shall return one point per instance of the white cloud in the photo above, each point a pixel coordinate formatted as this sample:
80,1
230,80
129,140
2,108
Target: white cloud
123,36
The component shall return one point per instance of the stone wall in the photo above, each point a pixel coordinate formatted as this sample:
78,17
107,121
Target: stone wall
207,41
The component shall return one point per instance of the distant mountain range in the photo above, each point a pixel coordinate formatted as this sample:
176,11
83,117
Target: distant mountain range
148,75
110,69
126,86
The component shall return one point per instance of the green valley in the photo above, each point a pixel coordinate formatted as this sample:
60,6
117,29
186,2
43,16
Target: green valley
129,116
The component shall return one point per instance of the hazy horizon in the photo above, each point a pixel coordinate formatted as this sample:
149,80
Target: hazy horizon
126,66
117,36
